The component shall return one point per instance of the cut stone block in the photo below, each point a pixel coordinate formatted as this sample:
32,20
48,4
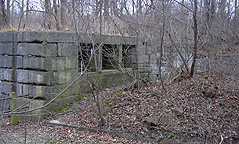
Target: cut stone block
5,88
36,49
143,58
48,64
32,90
38,63
47,36
66,76
7,36
6,74
60,36
6,61
67,49
65,63
5,104
142,50
35,77
6,48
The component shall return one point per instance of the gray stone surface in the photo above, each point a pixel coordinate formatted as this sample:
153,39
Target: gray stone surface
177,111
47,36
150,50
167,119
142,51
67,49
6,61
39,63
6,74
5,105
36,49
143,58
6,48
47,61
35,77
66,37
7,36
5,88
31,90
60,36
65,76
153,121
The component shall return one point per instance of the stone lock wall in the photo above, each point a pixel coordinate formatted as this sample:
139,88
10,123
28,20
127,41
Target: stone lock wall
40,64
36,65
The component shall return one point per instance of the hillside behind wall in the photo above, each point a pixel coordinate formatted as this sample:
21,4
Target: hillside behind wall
40,64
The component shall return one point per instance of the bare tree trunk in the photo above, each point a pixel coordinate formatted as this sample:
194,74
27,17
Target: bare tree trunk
47,15
229,10
97,7
133,6
195,38
207,9
139,3
4,15
97,100
27,8
106,13
12,15
114,10
74,16
8,13
63,16
179,52
137,43
22,8
2,12
161,48
222,9
213,11
236,7
56,14
98,67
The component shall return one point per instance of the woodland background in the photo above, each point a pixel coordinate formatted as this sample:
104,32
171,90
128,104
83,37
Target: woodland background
186,106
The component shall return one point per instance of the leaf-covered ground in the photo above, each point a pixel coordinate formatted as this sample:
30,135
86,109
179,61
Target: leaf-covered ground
199,110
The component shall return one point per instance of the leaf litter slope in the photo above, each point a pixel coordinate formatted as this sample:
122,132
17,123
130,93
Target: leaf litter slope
203,110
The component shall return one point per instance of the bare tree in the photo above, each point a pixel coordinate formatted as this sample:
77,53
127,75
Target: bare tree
161,47
4,17
236,7
8,14
63,13
55,8
47,22
195,46
27,8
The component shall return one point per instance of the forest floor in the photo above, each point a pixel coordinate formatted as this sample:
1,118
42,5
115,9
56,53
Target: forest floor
198,110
